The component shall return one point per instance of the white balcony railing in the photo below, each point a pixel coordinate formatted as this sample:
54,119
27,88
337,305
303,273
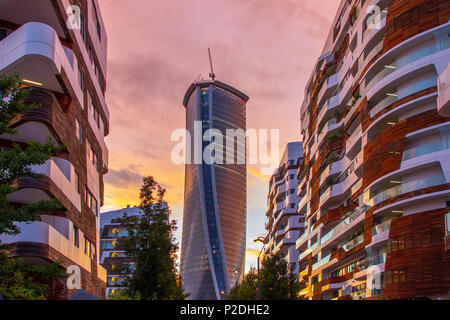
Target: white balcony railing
62,173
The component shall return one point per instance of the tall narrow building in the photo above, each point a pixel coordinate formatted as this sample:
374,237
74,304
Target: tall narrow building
59,49
113,257
376,195
214,219
284,224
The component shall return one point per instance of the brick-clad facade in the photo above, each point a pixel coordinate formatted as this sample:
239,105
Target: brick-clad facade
387,182
69,88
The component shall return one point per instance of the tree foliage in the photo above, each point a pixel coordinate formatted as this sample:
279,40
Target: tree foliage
247,289
276,282
17,279
151,244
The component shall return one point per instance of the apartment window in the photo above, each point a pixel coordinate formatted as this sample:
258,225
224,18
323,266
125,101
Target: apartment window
79,131
292,205
96,116
91,55
80,78
90,103
76,237
92,156
91,202
447,224
87,246
291,191
336,30
98,74
3,34
99,29
95,161
99,77
83,27
291,176
291,162
93,251
77,177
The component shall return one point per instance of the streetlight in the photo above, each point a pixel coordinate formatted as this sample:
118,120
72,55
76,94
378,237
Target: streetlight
262,240
236,272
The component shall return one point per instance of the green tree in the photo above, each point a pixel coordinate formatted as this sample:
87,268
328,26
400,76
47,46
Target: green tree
151,243
247,289
276,282
17,279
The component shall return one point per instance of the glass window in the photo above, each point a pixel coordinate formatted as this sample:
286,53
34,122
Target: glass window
83,28
91,55
3,34
99,30
80,78
77,177
79,131
76,237
447,224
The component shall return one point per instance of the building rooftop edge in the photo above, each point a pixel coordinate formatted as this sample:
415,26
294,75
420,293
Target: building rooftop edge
216,83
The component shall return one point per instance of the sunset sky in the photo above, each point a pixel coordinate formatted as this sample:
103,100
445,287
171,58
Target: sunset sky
156,49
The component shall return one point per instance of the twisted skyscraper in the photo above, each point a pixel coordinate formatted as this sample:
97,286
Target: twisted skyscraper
214,219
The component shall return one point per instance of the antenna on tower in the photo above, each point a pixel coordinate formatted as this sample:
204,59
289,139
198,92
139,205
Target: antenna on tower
212,75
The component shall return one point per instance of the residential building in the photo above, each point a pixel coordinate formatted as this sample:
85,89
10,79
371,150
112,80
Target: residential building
62,59
376,155
215,196
284,224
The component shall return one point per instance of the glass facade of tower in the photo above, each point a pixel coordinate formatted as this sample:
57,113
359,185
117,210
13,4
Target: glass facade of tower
214,221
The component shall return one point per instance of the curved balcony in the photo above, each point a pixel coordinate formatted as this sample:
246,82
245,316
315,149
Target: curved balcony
327,89
332,104
42,123
432,147
35,51
339,191
346,225
374,128
60,183
57,237
396,57
403,188
404,67
301,240
332,169
353,141
330,127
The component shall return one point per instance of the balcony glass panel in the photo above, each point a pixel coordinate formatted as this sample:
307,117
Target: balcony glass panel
382,227
326,236
441,44
353,243
436,146
447,224
408,187
321,262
